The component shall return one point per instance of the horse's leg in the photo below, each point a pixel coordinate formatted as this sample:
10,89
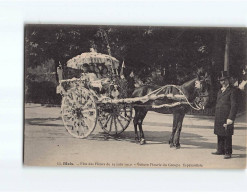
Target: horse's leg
174,128
142,115
135,121
179,128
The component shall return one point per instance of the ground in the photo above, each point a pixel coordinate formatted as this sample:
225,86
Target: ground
47,143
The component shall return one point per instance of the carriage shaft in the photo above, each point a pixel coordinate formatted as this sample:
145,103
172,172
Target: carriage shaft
144,99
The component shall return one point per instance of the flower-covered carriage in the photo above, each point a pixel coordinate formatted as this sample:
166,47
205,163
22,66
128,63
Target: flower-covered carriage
88,99
100,96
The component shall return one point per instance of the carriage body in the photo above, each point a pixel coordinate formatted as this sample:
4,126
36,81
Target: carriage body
88,100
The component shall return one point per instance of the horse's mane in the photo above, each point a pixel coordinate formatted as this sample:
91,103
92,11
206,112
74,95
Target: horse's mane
188,88
189,83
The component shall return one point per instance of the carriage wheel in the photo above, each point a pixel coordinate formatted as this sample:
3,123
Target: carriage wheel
114,119
79,112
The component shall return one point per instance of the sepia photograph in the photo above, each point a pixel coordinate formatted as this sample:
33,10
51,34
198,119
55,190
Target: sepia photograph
135,96
123,96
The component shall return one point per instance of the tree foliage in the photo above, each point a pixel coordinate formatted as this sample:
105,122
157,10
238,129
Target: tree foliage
162,54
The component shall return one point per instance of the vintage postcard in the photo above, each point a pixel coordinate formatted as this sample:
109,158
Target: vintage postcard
135,96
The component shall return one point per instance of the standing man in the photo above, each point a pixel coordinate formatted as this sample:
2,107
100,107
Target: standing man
225,114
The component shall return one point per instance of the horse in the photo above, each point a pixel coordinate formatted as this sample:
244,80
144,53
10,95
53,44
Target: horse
196,91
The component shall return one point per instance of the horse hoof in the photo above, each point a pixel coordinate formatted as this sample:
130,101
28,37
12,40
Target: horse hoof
178,146
171,144
142,141
137,140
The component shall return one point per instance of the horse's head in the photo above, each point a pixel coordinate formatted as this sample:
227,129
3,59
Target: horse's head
203,86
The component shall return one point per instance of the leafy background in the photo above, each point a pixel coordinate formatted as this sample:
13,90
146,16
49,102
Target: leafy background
157,55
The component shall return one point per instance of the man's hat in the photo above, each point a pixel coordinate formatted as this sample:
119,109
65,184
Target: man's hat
223,75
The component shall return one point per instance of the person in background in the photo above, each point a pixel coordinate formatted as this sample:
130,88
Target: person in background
234,82
242,85
243,89
60,72
131,83
225,114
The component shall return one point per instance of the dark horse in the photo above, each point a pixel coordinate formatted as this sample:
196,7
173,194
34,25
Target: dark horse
197,92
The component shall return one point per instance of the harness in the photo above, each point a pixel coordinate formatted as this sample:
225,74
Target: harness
181,96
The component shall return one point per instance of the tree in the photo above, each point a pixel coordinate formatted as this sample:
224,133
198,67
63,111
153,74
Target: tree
175,53
57,42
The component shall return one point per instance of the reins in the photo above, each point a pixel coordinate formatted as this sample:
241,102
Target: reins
174,104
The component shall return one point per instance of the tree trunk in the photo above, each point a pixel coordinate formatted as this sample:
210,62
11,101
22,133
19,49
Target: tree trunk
226,57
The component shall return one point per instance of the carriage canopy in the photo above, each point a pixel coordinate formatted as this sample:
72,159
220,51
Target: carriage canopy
92,57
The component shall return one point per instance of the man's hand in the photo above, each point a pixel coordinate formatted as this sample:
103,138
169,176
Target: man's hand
229,121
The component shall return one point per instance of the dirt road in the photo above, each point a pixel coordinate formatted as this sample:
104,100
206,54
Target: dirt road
47,143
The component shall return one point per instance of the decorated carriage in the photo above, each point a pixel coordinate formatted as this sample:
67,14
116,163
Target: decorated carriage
100,96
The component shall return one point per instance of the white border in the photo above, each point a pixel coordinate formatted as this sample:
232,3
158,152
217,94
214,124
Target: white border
14,14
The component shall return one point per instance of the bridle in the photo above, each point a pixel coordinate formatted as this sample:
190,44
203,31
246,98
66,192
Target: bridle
202,92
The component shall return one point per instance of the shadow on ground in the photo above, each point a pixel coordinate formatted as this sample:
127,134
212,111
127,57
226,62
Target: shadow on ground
187,126
43,121
187,140
238,155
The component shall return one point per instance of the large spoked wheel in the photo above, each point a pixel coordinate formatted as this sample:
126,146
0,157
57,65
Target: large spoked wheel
79,112
114,119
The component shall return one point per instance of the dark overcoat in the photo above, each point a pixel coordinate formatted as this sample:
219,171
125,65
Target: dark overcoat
226,108
131,85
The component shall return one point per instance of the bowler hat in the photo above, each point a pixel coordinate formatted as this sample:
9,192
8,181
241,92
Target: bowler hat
223,75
